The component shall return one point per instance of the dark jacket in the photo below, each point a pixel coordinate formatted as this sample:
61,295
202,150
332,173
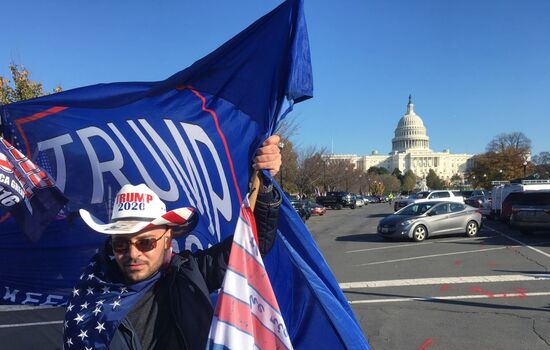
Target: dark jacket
191,278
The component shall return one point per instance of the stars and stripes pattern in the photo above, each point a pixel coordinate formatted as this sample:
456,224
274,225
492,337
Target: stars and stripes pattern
98,304
27,191
247,315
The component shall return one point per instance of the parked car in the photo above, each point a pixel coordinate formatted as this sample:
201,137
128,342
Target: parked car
532,212
318,209
359,201
372,199
302,208
507,203
337,200
419,221
427,196
501,191
482,202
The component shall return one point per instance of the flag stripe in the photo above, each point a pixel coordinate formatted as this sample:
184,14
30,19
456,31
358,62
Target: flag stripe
233,286
249,248
238,314
256,274
229,337
245,241
31,118
222,137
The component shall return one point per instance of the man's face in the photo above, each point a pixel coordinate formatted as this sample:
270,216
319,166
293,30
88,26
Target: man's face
138,265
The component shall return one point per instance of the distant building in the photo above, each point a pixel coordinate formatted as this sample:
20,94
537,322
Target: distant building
411,151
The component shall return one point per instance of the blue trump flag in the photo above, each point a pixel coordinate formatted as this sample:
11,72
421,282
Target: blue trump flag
191,138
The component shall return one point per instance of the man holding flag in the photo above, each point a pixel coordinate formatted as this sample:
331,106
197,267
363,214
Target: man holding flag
190,138
136,293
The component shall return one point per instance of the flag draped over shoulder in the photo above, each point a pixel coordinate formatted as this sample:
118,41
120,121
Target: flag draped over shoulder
191,138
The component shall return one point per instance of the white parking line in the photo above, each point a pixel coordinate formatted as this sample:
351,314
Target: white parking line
29,324
455,297
518,241
416,244
445,280
432,256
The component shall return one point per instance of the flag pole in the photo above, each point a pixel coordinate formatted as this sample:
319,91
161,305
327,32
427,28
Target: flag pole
254,186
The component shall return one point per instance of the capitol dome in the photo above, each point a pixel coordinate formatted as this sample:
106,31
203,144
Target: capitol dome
410,133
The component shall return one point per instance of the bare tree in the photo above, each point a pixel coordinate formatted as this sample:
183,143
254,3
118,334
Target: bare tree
542,158
311,170
514,140
288,127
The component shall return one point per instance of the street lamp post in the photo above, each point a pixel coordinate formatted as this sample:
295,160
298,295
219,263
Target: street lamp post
325,175
346,175
360,184
281,146
525,169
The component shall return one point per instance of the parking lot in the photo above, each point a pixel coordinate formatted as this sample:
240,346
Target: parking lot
449,292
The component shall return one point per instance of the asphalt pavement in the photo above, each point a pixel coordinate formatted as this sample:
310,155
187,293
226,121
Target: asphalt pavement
451,292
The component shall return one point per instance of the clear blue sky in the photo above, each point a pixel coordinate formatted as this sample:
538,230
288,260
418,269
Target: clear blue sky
475,68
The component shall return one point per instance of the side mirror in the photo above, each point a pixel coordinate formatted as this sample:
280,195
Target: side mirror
431,213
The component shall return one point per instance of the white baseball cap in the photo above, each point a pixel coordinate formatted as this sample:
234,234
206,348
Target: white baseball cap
137,208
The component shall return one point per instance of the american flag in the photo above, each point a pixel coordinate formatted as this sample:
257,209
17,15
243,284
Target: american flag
247,315
98,304
27,191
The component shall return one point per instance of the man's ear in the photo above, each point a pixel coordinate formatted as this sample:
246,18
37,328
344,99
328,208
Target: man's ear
168,239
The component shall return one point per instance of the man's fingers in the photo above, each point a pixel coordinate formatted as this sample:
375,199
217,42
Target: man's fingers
268,149
267,158
271,165
272,140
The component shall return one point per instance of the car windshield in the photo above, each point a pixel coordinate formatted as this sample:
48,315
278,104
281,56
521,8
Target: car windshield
420,195
415,209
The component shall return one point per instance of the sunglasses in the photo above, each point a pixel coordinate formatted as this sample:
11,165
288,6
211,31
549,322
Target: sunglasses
122,245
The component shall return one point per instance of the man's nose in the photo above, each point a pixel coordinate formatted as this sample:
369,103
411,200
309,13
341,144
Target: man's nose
133,252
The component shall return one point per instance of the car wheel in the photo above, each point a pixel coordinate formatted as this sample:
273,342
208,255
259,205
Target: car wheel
472,228
338,206
352,206
420,233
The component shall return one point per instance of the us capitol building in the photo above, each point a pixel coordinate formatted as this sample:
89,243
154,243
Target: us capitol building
411,151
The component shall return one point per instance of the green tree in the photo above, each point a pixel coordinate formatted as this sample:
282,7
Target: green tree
409,181
391,183
433,181
377,170
456,181
20,87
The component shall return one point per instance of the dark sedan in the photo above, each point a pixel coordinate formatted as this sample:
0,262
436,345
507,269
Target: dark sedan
532,212
419,221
